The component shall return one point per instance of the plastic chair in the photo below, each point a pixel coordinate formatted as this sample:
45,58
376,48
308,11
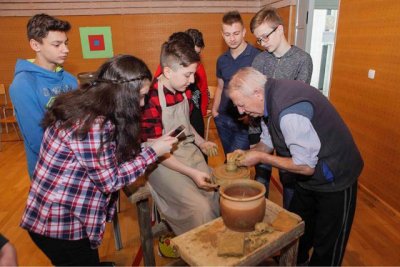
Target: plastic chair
7,108
5,116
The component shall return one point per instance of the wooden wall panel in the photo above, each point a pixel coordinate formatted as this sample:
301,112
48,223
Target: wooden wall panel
106,7
368,37
288,15
140,35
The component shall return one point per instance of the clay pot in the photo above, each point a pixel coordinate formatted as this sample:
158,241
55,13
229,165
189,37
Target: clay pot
242,204
222,175
231,166
86,77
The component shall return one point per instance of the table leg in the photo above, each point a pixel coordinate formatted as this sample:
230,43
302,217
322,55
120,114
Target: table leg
146,235
289,254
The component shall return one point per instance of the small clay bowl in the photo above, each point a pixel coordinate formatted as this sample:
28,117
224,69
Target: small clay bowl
242,204
86,77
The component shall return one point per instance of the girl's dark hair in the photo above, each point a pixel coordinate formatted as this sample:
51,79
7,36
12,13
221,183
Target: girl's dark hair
114,95
197,37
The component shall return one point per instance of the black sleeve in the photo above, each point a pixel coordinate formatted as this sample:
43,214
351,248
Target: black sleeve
3,241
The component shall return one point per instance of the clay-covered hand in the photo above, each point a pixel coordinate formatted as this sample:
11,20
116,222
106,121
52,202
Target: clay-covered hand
247,158
164,144
234,156
209,148
203,180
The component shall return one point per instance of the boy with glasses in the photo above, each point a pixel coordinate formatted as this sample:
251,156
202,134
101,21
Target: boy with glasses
280,60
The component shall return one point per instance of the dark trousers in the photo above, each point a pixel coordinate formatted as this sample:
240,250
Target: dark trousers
197,121
67,252
328,218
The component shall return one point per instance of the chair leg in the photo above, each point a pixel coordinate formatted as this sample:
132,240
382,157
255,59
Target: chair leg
4,116
119,203
117,232
146,235
1,132
17,131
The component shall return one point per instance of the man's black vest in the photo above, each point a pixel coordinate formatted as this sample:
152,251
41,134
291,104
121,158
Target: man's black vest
338,155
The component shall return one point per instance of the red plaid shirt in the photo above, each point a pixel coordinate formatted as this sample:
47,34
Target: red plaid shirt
73,192
151,116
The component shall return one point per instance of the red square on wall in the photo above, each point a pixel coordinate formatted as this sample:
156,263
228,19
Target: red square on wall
96,42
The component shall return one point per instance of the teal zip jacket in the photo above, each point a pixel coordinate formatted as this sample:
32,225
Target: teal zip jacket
31,91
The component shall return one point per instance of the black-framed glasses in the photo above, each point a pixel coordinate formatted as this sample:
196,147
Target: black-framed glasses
265,37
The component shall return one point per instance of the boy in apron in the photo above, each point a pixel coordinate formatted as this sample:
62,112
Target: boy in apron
181,183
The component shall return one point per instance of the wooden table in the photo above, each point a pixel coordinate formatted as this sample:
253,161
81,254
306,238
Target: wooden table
199,246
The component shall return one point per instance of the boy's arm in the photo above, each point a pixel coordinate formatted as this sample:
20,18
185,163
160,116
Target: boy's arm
201,179
151,124
29,112
172,163
197,138
217,97
306,70
203,87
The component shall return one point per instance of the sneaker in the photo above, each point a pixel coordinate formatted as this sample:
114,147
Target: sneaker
165,248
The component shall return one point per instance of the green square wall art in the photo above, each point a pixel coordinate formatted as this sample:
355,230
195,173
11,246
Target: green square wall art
96,42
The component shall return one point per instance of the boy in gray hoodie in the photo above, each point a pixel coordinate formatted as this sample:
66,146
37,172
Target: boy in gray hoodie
280,60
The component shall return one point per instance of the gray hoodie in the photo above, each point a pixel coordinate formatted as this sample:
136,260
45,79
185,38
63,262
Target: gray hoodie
295,64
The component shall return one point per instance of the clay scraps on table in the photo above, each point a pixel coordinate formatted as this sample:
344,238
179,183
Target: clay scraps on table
284,222
258,237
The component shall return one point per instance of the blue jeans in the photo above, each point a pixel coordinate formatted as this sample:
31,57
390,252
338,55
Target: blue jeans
233,135
263,175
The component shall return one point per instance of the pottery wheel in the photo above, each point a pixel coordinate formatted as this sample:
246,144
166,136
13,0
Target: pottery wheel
222,175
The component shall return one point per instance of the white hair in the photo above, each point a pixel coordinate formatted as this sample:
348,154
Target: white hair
246,81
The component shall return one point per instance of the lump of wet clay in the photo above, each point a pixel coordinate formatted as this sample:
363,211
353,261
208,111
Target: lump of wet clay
230,243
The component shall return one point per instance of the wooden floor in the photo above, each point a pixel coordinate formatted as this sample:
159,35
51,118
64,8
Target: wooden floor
374,240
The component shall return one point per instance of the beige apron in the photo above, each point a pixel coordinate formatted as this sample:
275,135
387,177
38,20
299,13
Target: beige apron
179,200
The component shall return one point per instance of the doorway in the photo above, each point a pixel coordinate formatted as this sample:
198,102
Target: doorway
316,33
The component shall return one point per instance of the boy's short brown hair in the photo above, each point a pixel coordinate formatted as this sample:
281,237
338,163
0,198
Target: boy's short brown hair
232,17
177,53
267,14
40,25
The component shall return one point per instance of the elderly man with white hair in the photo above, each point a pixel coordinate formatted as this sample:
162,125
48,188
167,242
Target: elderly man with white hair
313,145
